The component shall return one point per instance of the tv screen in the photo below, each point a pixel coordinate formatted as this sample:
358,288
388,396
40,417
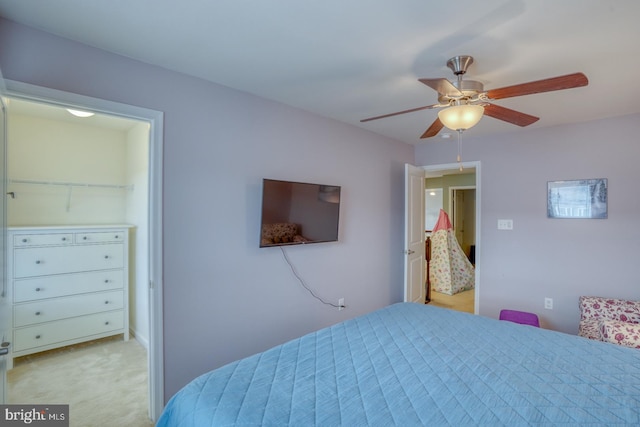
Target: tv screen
295,213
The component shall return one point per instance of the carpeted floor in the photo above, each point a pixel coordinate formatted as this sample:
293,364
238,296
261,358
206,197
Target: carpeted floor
104,382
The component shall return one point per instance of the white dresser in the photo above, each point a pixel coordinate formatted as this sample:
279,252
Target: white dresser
67,284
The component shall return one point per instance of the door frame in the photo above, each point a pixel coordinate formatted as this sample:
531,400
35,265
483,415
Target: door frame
457,187
5,308
478,186
453,210
155,120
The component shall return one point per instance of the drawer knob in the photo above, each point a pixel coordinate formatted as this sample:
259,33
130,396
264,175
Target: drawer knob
24,240
37,313
106,323
64,239
84,238
106,257
116,236
106,302
38,289
106,280
37,337
38,262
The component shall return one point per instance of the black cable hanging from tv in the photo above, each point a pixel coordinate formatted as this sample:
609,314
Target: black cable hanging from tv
304,285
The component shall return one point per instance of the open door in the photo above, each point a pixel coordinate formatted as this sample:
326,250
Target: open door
414,241
5,305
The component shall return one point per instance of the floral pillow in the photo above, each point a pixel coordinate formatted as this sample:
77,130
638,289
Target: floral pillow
590,328
609,308
621,333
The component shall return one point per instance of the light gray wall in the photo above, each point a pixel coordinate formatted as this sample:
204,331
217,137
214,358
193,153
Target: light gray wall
225,298
557,258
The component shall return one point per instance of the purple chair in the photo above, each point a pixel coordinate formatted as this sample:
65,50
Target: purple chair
521,317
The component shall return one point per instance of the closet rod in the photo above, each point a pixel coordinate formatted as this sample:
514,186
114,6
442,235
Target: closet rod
70,184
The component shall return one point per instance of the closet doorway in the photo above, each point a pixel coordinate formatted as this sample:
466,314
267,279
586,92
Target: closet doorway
64,170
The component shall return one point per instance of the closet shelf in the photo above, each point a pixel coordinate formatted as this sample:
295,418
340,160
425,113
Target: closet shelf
71,184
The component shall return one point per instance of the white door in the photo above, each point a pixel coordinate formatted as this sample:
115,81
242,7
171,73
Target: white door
414,244
5,305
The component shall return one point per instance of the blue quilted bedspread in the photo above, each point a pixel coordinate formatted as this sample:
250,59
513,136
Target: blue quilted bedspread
410,364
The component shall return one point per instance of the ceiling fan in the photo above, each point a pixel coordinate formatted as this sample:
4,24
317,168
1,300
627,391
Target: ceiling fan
464,102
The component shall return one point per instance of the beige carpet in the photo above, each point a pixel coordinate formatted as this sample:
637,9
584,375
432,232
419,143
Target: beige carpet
104,382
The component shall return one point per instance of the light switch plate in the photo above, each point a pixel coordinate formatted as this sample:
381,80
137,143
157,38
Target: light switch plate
505,224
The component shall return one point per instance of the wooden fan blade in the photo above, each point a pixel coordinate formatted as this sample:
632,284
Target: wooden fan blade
547,85
433,130
442,86
509,115
427,107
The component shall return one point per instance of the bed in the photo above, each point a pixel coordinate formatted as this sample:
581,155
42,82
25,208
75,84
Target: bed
412,364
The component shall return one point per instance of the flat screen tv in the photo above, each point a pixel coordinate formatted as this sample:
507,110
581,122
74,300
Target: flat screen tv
295,213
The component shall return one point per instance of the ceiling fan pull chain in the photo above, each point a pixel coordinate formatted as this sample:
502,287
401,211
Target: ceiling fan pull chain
460,148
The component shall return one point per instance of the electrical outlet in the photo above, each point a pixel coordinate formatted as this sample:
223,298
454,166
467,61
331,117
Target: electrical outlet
341,304
548,303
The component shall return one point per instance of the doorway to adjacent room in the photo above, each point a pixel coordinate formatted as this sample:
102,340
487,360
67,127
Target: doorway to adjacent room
457,193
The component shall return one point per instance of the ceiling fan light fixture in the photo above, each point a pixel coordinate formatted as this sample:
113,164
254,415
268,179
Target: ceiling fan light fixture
79,113
461,117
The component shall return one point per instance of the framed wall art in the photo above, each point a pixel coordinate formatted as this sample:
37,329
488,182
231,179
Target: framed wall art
584,198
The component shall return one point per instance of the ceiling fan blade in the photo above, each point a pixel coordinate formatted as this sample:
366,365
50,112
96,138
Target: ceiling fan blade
427,107
546,85
442,86
509,115
433,130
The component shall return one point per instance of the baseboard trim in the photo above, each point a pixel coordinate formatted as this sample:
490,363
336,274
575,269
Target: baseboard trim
144,341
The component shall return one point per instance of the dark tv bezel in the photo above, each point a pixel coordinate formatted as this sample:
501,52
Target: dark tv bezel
264,180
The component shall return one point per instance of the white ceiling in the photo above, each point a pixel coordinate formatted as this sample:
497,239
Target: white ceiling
353,59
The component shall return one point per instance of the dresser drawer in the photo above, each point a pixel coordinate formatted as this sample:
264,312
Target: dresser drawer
61,308
30,262
66,330
26,240
38,288
100,237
